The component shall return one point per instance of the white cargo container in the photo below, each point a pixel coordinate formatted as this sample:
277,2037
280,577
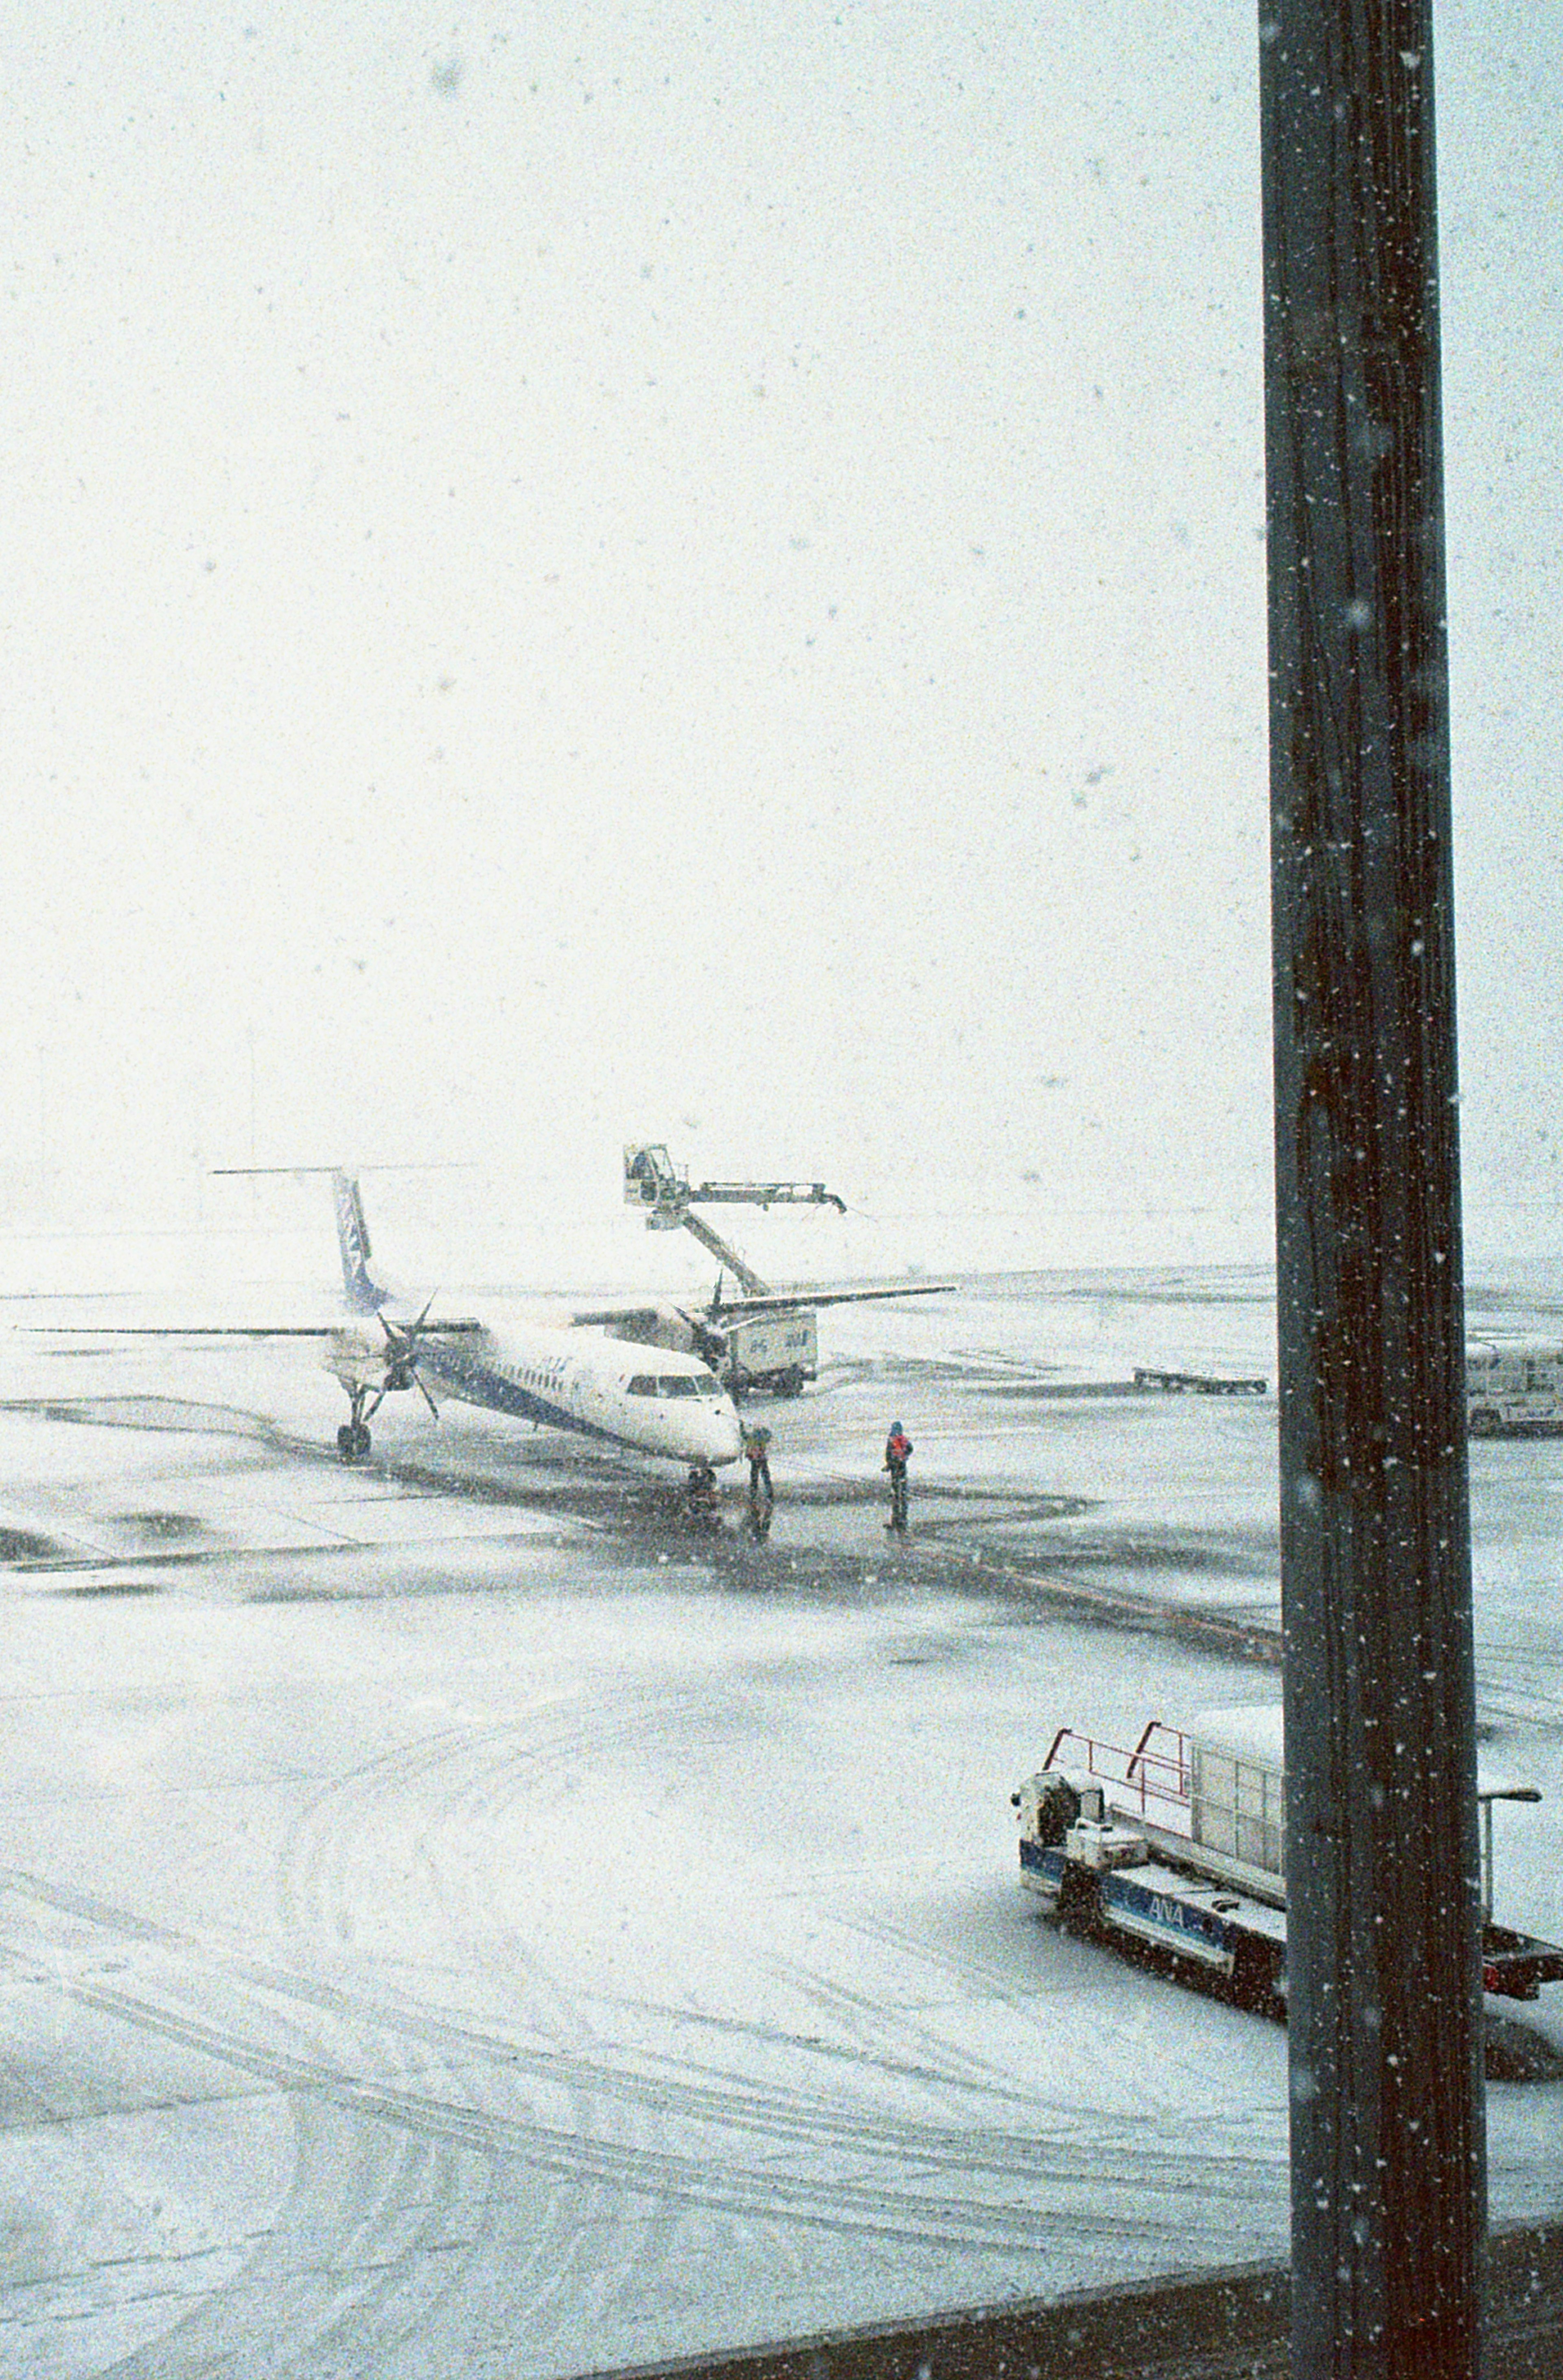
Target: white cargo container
779,1351
1237,1787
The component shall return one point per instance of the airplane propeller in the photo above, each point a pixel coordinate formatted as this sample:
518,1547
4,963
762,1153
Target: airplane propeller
401,1360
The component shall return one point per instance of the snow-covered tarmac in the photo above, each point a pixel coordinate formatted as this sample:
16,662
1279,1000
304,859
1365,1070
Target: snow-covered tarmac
457,1922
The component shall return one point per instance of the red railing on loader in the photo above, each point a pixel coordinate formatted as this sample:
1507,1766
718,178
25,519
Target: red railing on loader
1155,1771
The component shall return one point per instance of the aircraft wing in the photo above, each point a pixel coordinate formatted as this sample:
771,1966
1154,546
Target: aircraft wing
788,1301
178,1329
462,1324
641,1319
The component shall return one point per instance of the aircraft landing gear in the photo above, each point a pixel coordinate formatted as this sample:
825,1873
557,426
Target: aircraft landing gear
352,1439
701,1499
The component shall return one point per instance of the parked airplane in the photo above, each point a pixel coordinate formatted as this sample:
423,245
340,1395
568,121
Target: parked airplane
636,1375
563,1375
653,1400
642,1376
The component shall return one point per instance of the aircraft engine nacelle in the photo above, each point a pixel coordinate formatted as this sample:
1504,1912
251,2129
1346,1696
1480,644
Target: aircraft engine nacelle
356,1359
660,1326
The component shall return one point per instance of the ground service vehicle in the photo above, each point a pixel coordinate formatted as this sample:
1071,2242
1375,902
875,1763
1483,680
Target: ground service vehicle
778,1352
1181,1845
759,1338
1513,1385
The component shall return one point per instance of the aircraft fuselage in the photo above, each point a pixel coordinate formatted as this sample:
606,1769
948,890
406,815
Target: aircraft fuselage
651,1400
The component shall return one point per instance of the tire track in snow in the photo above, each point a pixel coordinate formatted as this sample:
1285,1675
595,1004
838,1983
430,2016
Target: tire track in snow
766,2191
479,1774
353,2246
702,2094
609,2193
429,1794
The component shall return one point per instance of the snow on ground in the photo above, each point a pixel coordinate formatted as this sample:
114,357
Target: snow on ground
456,1922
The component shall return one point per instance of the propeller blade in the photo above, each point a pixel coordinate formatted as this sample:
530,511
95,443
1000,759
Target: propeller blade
404,1335
401,1348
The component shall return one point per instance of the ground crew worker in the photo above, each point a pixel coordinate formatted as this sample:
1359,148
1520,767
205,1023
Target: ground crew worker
897,1454
757,1454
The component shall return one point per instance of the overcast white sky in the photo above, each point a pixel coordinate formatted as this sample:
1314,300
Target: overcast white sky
697,571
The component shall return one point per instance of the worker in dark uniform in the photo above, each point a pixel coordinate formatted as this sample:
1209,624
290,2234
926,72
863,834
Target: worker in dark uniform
757,1454
897,1454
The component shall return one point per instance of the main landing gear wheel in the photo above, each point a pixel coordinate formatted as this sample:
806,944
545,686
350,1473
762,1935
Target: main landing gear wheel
364,1398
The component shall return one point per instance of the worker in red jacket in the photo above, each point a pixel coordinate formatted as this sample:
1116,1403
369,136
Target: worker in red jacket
897,1454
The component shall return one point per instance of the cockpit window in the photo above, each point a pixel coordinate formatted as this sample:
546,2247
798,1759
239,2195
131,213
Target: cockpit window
643,1385
677,1384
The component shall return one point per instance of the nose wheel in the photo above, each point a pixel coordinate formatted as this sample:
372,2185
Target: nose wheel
353,1439
701,1501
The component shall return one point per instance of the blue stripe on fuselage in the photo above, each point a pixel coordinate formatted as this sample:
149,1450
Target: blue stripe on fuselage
478,1383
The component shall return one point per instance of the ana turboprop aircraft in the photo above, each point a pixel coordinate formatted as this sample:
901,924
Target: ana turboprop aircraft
641,1376
635,1375
564,1376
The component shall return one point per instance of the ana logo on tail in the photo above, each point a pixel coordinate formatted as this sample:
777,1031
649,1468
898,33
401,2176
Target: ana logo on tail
364,1296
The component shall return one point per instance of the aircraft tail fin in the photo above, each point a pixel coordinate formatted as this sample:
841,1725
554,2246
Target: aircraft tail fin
364,1293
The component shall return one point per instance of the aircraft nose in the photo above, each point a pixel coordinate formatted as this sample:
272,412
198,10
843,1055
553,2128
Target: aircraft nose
726,1440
